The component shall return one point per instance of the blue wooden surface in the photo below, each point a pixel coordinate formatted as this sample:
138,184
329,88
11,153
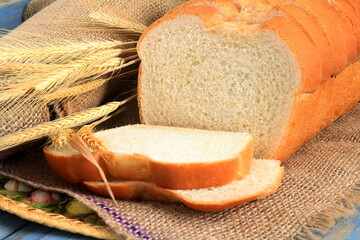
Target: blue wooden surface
348,229
11,13
13,227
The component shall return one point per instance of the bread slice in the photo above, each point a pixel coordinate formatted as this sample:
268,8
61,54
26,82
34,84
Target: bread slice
312,30
342,8
264,179
349,12
174,158
327,19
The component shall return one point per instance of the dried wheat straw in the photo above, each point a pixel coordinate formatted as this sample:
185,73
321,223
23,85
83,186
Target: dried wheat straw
79,69
73,91
27,67
55,53
65,76
51,70
47,128
121,24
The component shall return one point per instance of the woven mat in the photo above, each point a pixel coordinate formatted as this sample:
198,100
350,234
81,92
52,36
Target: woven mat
321,186
56,220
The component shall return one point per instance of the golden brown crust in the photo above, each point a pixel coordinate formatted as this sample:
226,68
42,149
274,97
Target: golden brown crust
314,33
321,14
354,17
304,50
315,111
73,169
350,39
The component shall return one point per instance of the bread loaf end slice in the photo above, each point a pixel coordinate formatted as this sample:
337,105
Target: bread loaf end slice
264,179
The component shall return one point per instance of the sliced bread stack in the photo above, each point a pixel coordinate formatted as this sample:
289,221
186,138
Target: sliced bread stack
282,70
207,170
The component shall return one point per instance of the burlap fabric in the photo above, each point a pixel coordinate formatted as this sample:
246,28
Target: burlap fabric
62,22
321,185
35,6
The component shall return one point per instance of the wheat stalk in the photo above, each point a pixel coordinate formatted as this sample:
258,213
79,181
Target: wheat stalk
27,67
48,128
55,53
80,89
40,70
120,24
66,75
73,91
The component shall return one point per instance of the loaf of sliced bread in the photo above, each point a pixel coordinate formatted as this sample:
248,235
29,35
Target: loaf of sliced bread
348,12
174,158
205,67
264,179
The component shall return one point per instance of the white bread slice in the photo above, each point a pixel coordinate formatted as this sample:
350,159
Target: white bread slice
175,158
264,179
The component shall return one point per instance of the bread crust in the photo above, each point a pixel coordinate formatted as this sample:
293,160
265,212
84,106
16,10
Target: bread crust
315,111
331,29
354,17
138,167
73,169
345,29
314,33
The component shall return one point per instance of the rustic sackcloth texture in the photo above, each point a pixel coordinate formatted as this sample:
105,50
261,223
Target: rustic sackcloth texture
35,6
62,22
321,185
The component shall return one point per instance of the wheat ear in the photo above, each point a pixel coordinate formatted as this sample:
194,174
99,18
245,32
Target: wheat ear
64,76
81,89
73,91
46,129
120,24
56,53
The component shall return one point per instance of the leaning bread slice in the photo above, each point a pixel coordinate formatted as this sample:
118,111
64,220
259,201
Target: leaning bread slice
327,18
346,9
264,179
175,158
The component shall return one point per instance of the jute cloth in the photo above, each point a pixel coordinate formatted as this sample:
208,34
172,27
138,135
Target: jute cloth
321,185
34,7
61,22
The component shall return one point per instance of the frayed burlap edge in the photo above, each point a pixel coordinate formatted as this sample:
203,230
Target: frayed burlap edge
321,224
55,220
